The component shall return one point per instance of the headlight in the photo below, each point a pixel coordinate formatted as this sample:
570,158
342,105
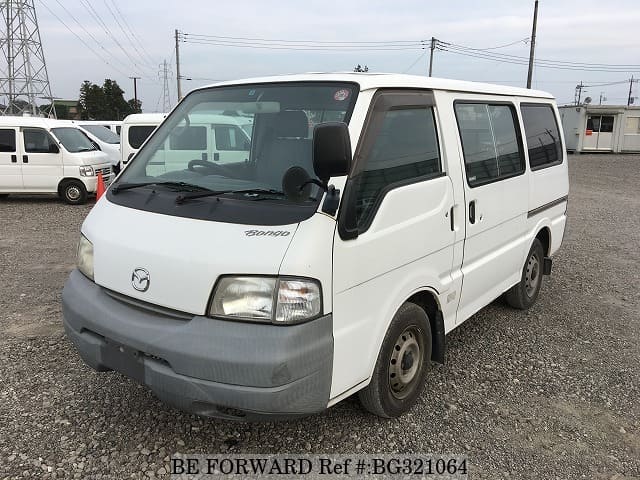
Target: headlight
85,256
86,171
267,299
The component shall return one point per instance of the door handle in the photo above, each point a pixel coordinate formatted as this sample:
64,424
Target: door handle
452,222
25,159
14,159
472,212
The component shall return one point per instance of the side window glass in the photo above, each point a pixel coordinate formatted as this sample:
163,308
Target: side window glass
490,142
37,140
188,138
138,134
404,150
7,140
543,137
231,138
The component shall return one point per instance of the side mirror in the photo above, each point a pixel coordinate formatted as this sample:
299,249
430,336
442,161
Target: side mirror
331,150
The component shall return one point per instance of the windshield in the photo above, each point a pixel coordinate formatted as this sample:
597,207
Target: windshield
102,133
73,140
241,137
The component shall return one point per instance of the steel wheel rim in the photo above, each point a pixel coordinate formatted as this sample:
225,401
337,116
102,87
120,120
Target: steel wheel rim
405,364
73,193
532,275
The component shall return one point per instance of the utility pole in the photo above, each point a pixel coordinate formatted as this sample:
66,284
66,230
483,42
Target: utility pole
578,95
433,47
178,78
630,90
135,89
533,44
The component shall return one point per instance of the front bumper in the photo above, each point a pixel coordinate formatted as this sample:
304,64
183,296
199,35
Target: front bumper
206,366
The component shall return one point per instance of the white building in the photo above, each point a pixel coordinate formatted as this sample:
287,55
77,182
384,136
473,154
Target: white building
601,128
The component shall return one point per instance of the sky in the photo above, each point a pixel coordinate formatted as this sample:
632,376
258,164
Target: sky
584,31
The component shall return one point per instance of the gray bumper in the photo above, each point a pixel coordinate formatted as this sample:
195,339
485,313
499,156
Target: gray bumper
205,366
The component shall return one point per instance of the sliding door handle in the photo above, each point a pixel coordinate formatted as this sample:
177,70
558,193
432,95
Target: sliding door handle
472,212
25,159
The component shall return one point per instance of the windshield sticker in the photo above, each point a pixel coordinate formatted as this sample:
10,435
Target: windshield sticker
341,95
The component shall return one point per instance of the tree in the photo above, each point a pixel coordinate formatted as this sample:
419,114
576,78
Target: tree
105,102
360,69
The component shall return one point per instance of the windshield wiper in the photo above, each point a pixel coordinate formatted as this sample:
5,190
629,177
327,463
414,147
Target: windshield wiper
181,186
212,193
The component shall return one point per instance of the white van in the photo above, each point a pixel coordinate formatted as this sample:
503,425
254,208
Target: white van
374,214
217,138
136,128
106,139
40,155
114,125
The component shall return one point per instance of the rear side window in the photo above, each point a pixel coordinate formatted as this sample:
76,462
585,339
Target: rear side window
7,140
138,134
491,142
543,137
404,150
231,138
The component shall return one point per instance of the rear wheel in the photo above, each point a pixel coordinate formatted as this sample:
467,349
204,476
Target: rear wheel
73,192
401,369
524,294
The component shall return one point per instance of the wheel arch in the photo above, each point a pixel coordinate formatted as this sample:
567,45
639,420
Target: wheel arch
544,235
428,301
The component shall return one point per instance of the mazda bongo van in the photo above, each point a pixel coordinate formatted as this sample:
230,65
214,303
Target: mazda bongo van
372,215
39,155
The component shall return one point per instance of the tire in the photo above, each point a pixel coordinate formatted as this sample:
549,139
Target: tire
401,369
524,294
3,196
73,192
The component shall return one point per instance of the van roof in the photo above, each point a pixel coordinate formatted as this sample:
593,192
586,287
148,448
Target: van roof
15,121
145,118
368,81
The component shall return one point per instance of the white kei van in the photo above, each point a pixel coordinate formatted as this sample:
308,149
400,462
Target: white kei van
374,214
39,155
212,138
135,130
114,125
105,138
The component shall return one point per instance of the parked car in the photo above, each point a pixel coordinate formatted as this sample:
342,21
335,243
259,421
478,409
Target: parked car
39,155
335,258
107,141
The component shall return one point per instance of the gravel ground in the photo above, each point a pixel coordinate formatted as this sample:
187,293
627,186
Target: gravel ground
552,393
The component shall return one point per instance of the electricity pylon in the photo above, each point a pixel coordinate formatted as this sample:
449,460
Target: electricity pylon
25,80
164,74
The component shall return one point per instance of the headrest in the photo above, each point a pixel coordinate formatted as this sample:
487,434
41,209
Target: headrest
291,124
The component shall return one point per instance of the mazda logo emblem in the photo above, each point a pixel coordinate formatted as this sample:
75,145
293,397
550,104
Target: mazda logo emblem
140,279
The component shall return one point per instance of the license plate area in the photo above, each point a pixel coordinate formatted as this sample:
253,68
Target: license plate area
124,360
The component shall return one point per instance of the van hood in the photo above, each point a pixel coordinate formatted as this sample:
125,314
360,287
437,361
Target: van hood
92,158
183,257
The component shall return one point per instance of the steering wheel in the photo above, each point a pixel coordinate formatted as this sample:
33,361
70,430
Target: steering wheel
207,165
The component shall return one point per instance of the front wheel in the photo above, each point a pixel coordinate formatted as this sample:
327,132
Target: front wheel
524,294
401,369
73,192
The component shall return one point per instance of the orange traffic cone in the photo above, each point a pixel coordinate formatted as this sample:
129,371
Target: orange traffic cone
100,187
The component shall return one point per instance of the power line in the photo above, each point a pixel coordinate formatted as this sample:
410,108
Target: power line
107,30
96,53
132,32
124,32
303,48
89,33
